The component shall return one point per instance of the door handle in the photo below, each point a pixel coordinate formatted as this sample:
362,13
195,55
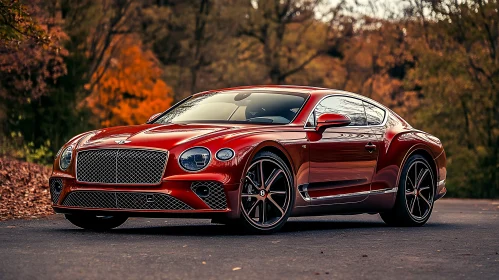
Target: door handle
370,147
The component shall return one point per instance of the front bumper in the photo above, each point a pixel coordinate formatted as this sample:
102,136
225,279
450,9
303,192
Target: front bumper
171,198
441,189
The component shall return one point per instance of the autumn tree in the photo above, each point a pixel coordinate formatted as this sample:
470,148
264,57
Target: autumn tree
130,89
287,34
190,38
32,57
457,73
17,24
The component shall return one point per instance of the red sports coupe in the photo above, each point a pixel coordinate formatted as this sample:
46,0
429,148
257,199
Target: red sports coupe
253,157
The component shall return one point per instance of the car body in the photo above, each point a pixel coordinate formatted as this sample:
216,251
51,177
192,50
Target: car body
339,152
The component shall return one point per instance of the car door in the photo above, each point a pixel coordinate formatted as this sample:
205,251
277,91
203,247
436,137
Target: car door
342,159
376,120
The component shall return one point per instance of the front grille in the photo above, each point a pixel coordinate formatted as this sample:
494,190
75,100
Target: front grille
124,200
216,196
55,193
121,166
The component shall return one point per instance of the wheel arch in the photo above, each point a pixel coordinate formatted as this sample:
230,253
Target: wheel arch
402,145
274,147
425,152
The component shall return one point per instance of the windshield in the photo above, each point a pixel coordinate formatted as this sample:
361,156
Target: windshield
236,107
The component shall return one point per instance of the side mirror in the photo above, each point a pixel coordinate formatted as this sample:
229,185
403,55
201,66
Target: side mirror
331,120
153,117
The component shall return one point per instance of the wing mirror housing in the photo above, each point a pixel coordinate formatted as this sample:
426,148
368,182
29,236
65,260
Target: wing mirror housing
331,120
153,117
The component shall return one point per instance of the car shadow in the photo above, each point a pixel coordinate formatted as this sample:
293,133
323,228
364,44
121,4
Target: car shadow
223,230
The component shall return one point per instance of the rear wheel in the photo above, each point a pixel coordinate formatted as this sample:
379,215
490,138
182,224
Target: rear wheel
93,222
415,196
267,194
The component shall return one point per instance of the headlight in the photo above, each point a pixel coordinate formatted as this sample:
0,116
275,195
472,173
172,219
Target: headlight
65,159
195,159
225,154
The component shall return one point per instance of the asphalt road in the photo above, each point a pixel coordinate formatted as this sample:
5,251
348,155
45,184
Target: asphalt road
461,241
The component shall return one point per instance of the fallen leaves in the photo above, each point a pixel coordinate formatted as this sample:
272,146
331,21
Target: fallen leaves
236,268
24,190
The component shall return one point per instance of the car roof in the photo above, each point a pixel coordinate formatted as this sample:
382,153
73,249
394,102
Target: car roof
275,88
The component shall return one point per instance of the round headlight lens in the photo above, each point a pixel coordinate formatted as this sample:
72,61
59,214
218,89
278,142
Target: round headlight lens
225,154
195,159
65,159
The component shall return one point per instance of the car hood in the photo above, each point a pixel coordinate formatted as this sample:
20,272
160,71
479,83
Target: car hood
153,135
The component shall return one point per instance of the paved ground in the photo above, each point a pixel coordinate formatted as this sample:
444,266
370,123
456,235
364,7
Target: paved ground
461,241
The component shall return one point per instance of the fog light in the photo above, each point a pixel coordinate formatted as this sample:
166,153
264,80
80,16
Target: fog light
203,191
57,187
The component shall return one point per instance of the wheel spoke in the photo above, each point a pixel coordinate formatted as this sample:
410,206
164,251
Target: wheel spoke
424,171
410,181
276,205
413,203
419,207
249,195
278,192
252,182
415,175
424,188
262,186
264,212
409,193
253,208
425,200
272,178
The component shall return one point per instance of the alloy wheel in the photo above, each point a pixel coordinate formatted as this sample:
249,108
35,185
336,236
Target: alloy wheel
419,190
266,192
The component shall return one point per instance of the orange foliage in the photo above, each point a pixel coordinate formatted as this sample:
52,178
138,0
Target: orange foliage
131,88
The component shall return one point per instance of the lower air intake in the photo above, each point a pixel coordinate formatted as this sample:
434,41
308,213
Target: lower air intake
215,197
55,189
124,200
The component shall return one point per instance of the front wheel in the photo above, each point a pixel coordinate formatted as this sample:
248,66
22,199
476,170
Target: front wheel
415,196
267,194
96,222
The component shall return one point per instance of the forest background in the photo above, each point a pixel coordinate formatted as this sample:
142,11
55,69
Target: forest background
67,66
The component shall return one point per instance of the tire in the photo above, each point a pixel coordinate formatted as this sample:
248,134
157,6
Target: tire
416,189
273,201
98,223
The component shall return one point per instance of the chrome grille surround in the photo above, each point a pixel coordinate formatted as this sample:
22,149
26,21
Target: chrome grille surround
124,200
53,193
121,166
216,198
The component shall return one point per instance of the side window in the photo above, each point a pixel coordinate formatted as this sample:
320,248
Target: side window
347,106
375,115
311,120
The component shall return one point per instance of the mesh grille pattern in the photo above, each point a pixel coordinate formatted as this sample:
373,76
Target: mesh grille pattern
53,193
120,166
216,197
124,200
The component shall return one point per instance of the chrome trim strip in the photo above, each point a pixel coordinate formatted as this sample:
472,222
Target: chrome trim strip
122,148
345,195
351,95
